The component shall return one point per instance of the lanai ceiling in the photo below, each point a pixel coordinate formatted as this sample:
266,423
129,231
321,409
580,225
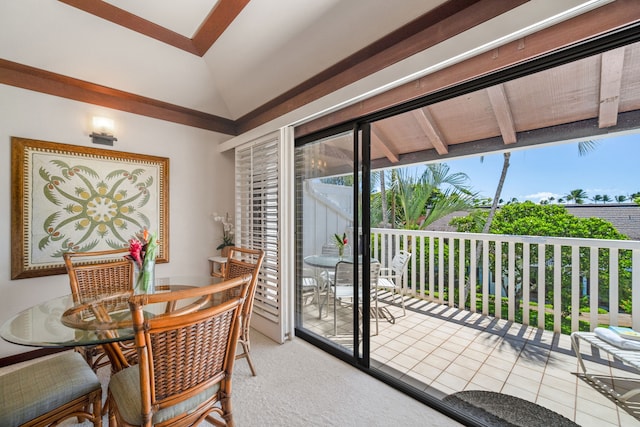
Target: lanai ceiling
231,65
581,100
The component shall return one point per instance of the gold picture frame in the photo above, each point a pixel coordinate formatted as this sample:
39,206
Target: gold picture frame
74,198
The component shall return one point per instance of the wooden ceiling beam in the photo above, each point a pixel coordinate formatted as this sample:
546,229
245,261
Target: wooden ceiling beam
580,131
218,20
216,23
610,78
26,77
121,17
502,111
381,141
432,131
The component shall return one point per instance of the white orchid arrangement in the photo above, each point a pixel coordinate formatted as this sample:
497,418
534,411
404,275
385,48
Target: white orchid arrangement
228,229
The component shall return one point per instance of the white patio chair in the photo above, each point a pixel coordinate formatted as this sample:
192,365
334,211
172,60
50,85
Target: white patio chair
342,288
314,286
390,278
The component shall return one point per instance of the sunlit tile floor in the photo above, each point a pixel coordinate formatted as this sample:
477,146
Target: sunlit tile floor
441,350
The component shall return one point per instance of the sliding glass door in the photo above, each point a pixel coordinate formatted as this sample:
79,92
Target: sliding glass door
332,191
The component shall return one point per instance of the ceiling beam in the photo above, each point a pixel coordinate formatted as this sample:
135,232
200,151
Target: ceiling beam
38,80
577,131
218,20
502,111
121,17
610,78
432,131
381,141
216,23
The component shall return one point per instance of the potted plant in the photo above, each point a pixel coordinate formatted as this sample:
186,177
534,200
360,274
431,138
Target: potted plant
227,233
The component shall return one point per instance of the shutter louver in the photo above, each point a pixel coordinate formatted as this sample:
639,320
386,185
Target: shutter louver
257,219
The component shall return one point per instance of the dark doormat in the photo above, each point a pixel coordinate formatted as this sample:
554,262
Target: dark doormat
503,410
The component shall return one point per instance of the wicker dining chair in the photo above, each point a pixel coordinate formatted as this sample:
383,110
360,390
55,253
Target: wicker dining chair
100,273
185,358
241,261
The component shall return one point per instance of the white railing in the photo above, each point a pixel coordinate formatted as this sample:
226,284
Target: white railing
440,271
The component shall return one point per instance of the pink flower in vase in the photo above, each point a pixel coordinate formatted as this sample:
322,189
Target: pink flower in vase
341,241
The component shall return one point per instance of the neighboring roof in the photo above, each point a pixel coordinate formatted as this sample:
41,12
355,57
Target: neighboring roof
625,217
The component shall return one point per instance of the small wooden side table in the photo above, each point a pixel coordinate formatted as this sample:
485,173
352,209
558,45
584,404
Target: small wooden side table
218,265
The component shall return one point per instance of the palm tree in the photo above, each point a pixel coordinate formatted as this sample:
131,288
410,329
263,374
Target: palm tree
606,198
432,195
577,196
621,198
496,198
597,198
379,204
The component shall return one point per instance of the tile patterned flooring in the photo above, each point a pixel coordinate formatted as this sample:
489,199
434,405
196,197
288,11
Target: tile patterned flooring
441,350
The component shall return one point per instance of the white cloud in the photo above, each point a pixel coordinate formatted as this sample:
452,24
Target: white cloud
542,195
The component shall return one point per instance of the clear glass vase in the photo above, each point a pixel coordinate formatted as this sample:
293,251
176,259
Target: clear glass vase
145,278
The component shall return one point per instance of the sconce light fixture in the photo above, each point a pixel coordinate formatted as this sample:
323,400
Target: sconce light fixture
102,131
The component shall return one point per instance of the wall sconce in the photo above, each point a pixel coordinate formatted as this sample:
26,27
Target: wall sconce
102,131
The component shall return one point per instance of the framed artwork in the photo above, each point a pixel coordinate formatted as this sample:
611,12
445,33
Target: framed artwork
73,198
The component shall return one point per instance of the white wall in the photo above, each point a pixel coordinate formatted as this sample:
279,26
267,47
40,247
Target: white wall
200,182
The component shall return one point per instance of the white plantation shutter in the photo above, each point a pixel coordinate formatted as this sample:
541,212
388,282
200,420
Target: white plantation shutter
258,225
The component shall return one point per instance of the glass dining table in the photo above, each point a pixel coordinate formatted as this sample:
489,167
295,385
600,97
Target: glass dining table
60,322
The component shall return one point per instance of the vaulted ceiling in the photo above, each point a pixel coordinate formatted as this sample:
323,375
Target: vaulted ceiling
231,65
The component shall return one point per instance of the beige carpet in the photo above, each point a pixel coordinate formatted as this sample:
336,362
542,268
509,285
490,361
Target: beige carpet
299,385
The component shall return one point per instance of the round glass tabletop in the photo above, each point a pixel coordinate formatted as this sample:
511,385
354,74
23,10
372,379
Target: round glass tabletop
42,325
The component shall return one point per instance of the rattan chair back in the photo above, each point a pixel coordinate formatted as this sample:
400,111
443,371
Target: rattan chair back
96,274
183,354
93,274
242,261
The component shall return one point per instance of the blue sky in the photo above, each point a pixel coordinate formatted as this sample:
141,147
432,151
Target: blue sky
612,168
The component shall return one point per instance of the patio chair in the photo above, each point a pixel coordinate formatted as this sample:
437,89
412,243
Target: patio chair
312,288
100,273
327,276
243,261
186,358
391,278
342,288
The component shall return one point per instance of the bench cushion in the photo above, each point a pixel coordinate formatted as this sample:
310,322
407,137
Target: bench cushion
38,388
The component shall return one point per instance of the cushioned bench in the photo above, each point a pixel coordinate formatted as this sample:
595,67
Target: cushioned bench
51,390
